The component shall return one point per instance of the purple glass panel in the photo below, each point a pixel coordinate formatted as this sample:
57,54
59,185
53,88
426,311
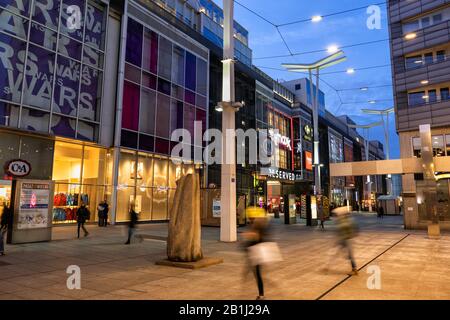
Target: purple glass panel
91,94
130,116
201,116
146,142
47,13
93,57
67,27
189,97
62,126
132,73
150,53
9,114
177,92
13,24
201,102
134,42
43,36
202,74
12,73
65,99
94,33
162,146
38,88
163,116
164,86
128,139
69,47
189,118
149,80
19,7
176,115
190,71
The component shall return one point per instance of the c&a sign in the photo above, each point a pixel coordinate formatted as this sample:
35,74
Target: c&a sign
17,168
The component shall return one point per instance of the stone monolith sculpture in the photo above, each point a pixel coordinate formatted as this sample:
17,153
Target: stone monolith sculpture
184,241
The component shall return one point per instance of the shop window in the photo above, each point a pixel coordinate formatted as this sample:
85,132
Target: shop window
94,166
440,56
445,94
39,95
146,168
128,139
128,170
130,115
163,116
150,54
416,98
67,162
146,142
91,94
165,58
437,18
190,77
39,153
438,146
124,197
63,126
417,151
426,22
9,114
143,201
159,203
134,42
148,108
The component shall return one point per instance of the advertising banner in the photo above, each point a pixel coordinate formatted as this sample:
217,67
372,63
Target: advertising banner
34,205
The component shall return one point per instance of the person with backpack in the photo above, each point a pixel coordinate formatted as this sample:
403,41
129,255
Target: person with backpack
83,215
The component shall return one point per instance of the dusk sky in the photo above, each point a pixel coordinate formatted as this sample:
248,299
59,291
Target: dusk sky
342,30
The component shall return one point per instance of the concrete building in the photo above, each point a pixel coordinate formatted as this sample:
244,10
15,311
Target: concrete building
420,51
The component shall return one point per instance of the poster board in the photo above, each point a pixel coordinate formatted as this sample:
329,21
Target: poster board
33,204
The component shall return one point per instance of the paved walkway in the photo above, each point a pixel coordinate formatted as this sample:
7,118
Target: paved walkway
412,266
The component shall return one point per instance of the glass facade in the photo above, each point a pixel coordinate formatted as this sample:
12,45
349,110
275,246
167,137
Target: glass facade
165,88
51,70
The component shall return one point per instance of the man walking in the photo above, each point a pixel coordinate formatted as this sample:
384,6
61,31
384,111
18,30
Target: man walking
132,223
4,224
82,215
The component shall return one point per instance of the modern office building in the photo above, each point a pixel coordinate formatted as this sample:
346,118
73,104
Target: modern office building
420,48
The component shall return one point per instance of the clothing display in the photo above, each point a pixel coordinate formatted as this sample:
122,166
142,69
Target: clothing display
66,206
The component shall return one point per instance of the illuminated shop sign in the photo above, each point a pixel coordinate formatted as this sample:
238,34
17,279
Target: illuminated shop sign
18,168
281,174
278,139
308,160
308,132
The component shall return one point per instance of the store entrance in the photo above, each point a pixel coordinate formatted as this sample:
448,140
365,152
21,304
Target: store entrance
275,201
5,194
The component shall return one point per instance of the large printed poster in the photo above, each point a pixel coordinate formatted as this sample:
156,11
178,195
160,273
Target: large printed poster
34,206
72,77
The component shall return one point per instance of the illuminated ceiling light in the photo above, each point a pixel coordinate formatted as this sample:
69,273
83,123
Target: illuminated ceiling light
316,18
219,108
418,61
350,70
424,82
332,49
364,89
425,97
411,36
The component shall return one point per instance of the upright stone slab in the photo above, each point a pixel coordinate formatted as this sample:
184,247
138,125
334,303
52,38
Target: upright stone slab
184,240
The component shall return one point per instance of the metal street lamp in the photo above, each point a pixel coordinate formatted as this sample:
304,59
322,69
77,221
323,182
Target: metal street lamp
366,128
384,113
228,107
326,62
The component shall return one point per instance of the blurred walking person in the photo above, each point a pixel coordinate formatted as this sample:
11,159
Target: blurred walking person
4,225
132,223
346,230
259,250
103,210
83,215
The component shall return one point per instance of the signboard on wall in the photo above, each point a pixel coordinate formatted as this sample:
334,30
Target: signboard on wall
34,206
216,209
17,168
308,160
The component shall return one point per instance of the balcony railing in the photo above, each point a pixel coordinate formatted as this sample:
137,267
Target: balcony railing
420,63
429,101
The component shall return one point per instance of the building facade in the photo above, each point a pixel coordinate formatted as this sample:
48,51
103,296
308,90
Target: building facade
420,47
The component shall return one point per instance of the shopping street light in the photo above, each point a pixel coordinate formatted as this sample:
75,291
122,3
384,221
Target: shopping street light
366,128
383,113
326,62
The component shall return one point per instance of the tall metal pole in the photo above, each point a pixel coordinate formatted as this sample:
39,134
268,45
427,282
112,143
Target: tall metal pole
369,182
228,228
318,183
